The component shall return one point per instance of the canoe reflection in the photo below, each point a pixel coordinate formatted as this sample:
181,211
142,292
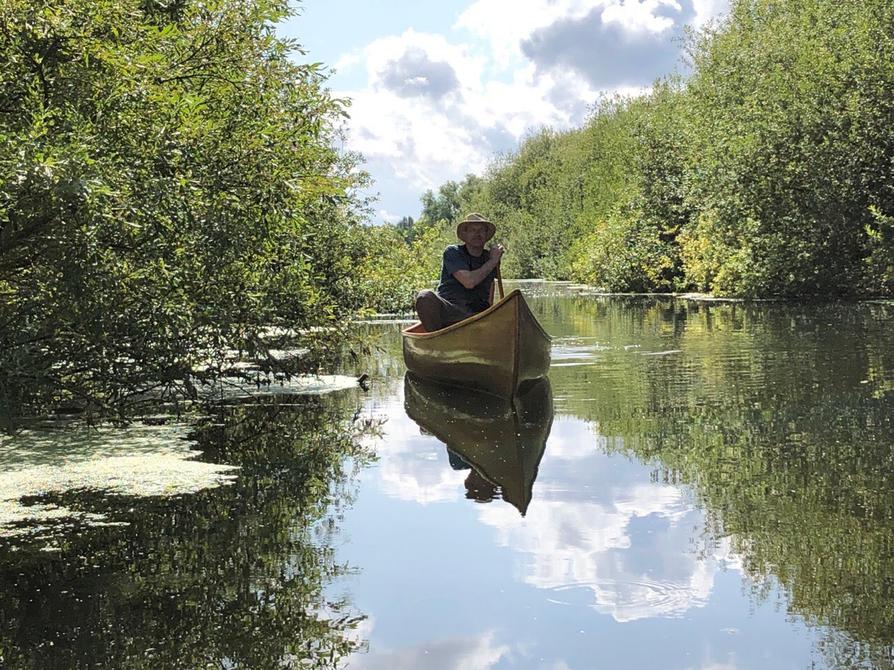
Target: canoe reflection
501,441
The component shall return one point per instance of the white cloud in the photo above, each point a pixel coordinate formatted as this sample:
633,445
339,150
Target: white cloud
505,23
420,140
707,10
427,139
644,16
390,217
435,109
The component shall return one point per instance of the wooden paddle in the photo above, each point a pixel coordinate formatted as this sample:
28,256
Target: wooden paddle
500,282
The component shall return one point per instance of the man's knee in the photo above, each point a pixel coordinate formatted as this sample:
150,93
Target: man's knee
428,307
426,298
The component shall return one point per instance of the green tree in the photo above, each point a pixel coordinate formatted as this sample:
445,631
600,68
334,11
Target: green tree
766,173
168,188
790,117
627,237
441,206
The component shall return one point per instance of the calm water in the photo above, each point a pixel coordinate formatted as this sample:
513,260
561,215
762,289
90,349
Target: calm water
697,485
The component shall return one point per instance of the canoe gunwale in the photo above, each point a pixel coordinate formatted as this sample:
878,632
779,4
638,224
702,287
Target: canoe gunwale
517,342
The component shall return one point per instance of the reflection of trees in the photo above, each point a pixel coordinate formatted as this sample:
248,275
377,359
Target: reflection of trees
780,417
232,577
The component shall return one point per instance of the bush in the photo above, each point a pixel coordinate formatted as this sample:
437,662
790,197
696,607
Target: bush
167,189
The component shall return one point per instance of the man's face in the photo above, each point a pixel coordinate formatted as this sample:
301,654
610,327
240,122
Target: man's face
476,234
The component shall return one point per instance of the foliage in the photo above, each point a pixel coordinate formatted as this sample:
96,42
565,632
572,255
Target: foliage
632,244
768,172
602,204
531,212
406,257
443,205
167,189
791,111
384,276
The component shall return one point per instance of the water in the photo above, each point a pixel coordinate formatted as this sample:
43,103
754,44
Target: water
698,485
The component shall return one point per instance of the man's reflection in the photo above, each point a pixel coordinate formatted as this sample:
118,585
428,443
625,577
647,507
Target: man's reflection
499,441
478,488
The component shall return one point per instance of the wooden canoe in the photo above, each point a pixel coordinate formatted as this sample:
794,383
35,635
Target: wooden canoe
499,350
501,439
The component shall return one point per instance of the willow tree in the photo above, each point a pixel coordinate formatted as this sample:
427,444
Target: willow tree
790,125
168,186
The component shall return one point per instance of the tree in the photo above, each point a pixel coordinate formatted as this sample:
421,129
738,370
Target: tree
790,111
443,206
168,188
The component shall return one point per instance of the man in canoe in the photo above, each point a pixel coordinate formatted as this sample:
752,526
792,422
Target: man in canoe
467,276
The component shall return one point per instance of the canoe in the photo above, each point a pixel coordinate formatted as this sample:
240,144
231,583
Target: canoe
500,440
499,350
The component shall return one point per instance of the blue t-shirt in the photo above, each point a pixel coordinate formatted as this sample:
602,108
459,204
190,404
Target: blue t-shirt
457,257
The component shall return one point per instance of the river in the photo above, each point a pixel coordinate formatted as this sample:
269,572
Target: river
698,484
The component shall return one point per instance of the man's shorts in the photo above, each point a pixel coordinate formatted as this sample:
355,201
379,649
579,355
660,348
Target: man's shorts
449,312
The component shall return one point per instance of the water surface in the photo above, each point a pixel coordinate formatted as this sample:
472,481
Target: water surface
697,485
714,492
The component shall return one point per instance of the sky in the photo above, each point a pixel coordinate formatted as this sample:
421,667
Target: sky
439,89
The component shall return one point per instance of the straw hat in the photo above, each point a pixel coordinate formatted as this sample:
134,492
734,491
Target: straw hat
475,217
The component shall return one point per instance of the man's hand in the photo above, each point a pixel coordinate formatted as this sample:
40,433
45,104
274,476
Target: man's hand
471,278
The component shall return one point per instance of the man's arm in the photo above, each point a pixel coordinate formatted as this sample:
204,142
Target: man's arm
471,278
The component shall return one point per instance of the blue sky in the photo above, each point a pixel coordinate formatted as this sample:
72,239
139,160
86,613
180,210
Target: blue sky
438,89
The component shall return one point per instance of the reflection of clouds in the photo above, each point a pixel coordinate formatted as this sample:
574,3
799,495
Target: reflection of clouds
568,442
599,532
643,500
628,555
413,466
424,480
711,664
464,653
571,532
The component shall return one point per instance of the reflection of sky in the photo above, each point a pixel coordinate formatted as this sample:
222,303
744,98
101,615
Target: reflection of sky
593,526
472,653
605,558
411,466
600,526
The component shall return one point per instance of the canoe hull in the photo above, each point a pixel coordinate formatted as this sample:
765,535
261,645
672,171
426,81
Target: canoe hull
498,351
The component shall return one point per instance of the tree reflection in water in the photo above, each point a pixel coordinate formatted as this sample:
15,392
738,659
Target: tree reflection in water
231,577
780,418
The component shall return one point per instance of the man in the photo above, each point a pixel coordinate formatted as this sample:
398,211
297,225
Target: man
467,276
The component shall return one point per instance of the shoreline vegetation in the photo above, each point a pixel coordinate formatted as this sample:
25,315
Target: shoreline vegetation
768,172
170,190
